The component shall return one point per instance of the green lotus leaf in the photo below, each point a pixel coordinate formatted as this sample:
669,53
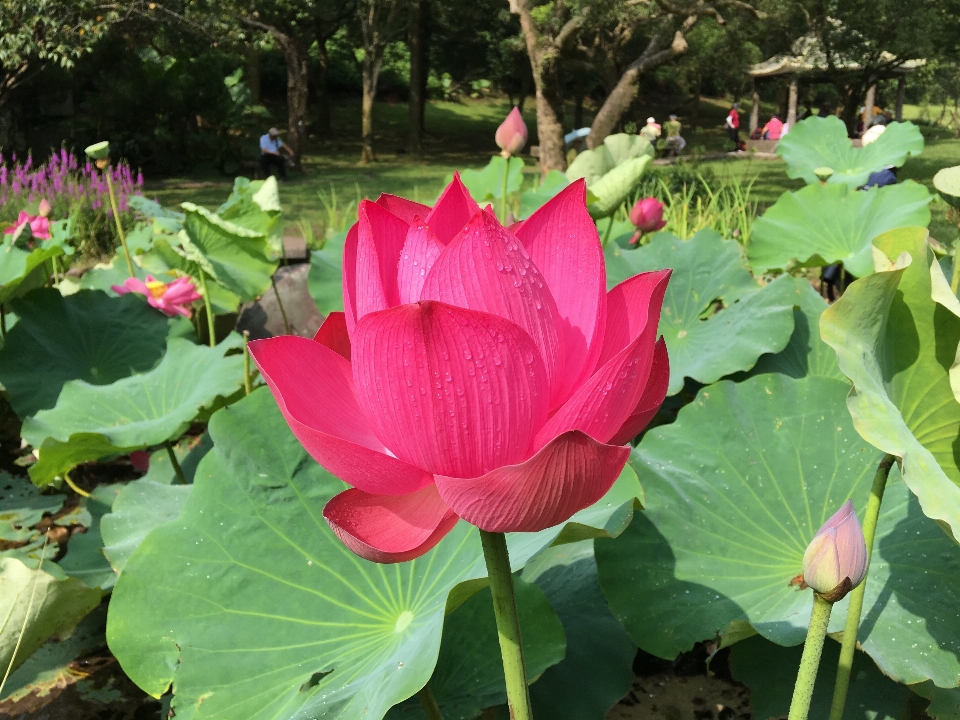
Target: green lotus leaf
806,355
90,422
87,336
944,702
466,680
22,506
823,224
591,165
947,183
103,276
822,142
487,184
896,335
51,667
325,279
623,147
152,210
612,190
532,200
249,581
736,489
85,559
164,257
59,603
705,343
770,671
598,668
256,206
23,270
237,258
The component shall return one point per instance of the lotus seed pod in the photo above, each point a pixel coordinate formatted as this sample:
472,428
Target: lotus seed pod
98,151
823,173
836,559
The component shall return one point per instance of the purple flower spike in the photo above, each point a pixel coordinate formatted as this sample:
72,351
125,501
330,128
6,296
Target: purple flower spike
836,559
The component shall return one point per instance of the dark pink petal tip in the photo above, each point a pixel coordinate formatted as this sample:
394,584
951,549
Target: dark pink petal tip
571,472
389,528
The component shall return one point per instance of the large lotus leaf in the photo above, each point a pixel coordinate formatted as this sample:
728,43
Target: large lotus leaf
90,422
467,677
487,184
85,559
23,270
52,666
947,183
823,224
237,258
532,200
591,165
623,147
36,604
736,489
139,508
325,279
164,257
249,581
256,206
944,702
104,276
896,334
610,192
806,354
705,343
770,671
598,668
22,506
153,210
87,336
822,142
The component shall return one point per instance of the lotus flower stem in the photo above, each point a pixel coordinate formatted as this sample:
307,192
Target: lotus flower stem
508,624
286,323
3,324
955,279
606,233
503,189
206,304
73,486
181,478
116,219
246,362
849,645
429,703
810,660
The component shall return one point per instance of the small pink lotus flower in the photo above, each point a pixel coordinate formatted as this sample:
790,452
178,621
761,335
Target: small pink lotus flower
39,225
169,298
478,372
647,215
512,134
836,559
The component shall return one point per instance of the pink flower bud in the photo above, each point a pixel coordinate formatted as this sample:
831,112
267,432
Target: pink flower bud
647,215
836,559
45,208
512,134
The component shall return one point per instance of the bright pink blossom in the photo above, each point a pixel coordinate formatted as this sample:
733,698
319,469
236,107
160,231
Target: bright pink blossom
512,134
170,298
477,372
39,225
647,215
835,562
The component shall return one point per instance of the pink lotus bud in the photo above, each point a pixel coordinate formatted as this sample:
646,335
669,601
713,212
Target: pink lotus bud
647,215
140,460
44,208
836,559
512,134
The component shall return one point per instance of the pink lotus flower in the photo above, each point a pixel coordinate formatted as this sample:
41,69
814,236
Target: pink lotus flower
477,372
39,225
835,562
512,134
169,298
647,215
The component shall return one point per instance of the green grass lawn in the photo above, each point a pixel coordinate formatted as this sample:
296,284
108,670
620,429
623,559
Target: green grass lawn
460,135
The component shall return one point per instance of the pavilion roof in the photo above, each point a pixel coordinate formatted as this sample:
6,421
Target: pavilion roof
807,57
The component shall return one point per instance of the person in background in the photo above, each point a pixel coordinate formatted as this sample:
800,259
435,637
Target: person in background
732,125
270,148
651,131
675,143
773,129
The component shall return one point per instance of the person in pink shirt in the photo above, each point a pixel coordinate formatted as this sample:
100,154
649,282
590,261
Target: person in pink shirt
732,125
773,129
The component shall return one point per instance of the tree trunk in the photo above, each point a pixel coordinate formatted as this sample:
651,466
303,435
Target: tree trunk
366,113
659,51
792,103
755,111
251,73
417,76
323,90
901,94
298,92
868,106
377,23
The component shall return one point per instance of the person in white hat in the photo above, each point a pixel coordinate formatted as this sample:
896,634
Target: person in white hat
270,148
651,131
